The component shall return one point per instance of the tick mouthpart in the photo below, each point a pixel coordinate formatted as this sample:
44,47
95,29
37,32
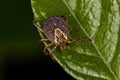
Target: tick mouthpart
60,36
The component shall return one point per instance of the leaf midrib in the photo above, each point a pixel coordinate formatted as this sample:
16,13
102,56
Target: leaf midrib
93,43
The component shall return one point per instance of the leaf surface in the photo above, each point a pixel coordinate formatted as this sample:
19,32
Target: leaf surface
97,19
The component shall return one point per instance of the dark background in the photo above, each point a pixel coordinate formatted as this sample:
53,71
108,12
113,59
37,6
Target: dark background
21,54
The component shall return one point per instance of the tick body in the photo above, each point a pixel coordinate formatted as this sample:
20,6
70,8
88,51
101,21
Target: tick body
57,32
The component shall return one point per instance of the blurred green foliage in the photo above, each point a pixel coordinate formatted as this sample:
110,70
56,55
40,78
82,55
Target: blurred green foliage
19,39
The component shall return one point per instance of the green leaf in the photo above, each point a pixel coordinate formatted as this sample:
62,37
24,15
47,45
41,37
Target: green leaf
98,19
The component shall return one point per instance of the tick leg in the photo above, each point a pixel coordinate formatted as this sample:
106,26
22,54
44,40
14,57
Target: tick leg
52,52
53,49
79,39
84,38
65,19
43,40
37,25
45,49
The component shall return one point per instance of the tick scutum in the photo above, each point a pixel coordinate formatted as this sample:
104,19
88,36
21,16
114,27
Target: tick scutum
53,23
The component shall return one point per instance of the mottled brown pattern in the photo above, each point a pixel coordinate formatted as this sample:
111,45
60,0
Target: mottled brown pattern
52,23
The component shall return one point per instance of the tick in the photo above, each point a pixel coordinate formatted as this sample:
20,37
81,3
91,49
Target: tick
57,33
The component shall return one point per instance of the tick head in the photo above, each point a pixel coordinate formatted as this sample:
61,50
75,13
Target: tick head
60,38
